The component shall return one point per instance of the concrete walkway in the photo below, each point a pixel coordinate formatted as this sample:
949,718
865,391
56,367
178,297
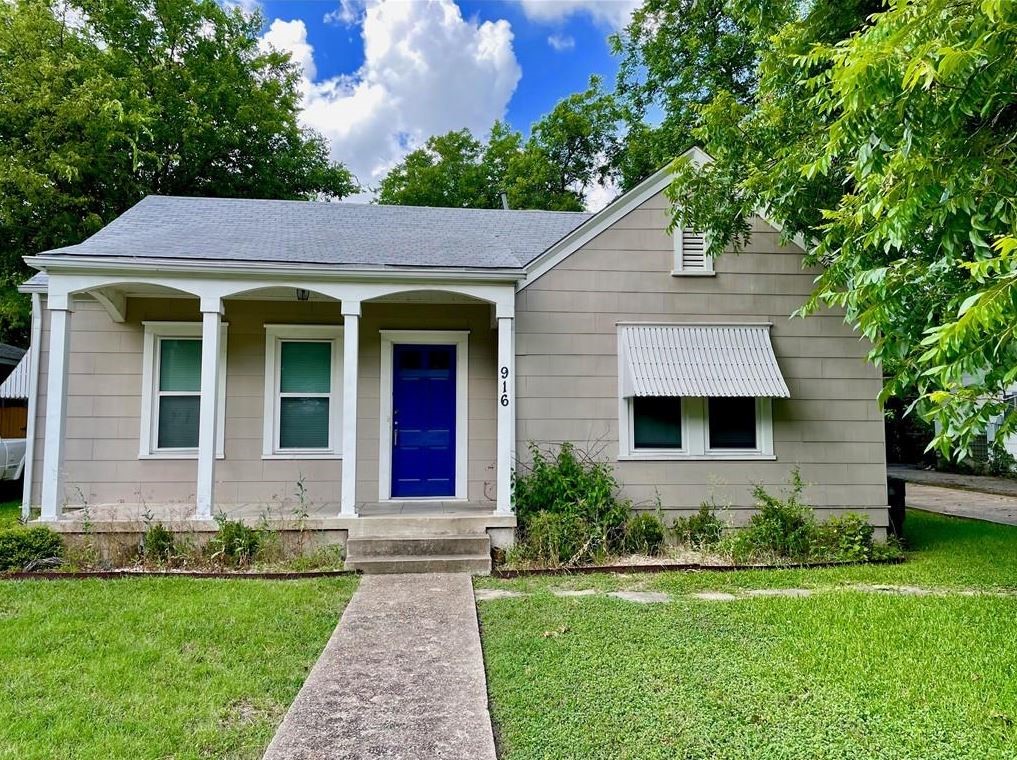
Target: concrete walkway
954,501
401,677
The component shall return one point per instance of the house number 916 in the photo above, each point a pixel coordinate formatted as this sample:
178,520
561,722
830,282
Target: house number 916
504,400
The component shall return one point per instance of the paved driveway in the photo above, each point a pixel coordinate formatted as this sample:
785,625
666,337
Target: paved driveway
954,501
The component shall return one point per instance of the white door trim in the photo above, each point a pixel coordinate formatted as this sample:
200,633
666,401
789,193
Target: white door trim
389,338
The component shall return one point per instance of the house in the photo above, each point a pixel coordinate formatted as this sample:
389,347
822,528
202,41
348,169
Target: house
382,366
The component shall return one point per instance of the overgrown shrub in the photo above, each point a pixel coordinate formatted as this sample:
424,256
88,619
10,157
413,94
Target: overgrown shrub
846,538
644,534
157,544
1001,462
783,528
579,488
20,547
234,543
556,539
701,530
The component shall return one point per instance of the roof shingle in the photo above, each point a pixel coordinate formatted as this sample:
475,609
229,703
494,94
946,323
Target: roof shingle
232,229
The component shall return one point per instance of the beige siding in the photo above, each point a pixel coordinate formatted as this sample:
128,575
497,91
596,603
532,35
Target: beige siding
567,366
104,405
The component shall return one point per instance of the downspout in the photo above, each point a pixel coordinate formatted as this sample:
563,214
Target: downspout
34,350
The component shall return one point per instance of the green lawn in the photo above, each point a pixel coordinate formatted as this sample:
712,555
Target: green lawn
10,511
156,668
840,674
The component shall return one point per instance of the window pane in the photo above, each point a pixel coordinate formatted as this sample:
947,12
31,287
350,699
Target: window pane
178,422
732,423
179,364
303,423
306,367
657,422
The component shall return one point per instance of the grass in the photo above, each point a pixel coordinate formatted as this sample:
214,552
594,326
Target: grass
10,513
156,668
839,674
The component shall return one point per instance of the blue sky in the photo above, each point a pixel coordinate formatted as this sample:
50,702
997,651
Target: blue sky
380,76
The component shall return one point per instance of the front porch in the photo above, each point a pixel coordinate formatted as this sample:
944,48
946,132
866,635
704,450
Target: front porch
294,445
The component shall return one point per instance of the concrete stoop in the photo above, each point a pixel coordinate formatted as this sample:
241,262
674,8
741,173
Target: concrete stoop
469,553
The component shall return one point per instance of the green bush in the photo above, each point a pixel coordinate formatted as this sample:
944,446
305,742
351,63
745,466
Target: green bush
582,490
644,534
234,543
556,539
846,538
781,529
157,544
20,547
701,530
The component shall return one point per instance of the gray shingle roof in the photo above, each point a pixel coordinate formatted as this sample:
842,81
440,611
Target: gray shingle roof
230,229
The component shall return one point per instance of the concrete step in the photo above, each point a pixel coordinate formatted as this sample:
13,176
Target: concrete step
417,546
408,526
479,564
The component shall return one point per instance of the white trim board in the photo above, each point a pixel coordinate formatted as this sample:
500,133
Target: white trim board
458,338
149,398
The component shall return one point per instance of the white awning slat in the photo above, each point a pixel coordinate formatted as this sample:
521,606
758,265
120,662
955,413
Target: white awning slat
16,385
698,360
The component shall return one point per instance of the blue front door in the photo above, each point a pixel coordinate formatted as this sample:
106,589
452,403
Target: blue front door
423,420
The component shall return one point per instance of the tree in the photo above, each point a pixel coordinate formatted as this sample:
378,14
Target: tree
675,56
552,170
447,171
892,152
106,101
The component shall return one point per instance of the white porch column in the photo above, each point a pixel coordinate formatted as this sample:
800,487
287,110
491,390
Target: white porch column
506,412
56,407
351,361
211,323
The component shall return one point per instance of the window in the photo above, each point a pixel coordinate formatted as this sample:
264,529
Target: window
662,427
171,391
303,379
690,257
656,422
732,423
179,390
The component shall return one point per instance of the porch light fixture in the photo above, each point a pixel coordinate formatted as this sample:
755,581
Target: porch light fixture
303,295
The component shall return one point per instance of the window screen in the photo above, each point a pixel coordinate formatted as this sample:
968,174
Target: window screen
732,423
656,422
179,393
305,387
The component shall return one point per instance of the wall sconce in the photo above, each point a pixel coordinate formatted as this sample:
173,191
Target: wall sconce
303,295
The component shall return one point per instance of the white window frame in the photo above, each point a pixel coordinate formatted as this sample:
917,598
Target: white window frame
150,393
695,435
275,335
678,265
389,339
681,451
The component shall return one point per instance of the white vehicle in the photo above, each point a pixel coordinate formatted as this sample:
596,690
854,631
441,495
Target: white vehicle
12,458
13,399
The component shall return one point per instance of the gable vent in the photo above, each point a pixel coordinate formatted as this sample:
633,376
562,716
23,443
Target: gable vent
690,253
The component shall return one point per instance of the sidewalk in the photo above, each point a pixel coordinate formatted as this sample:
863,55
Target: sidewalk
401,677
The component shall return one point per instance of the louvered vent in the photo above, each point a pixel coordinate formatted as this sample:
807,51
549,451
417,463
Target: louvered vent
693,251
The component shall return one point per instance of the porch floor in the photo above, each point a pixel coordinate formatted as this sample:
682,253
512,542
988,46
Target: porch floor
132,518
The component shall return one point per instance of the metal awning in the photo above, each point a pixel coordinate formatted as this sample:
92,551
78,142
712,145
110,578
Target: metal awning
699,360
16,385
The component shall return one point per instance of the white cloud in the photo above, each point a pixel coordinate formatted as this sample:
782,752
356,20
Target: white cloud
613,13
599,195
562,42
348,13
426,71
291,37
